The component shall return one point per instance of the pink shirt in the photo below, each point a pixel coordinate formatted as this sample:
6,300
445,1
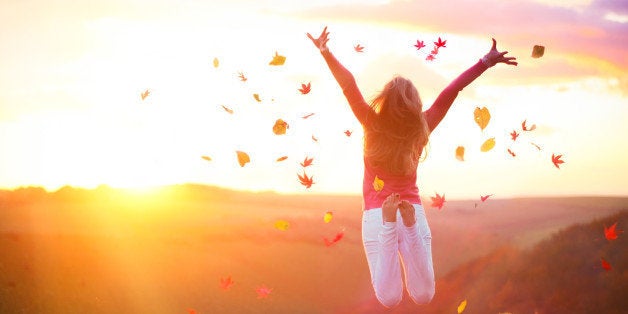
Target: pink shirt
405,185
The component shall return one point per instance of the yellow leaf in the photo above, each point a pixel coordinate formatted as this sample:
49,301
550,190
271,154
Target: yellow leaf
277,59
462,306
243,158
216,62
206,158
256,96
538,51
282,225
378,184
481,116
460,153
280,127
488,144
328,216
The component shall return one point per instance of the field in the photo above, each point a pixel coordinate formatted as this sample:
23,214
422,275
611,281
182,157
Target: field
113,251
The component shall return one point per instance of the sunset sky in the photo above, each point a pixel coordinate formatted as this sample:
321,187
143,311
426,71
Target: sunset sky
71,75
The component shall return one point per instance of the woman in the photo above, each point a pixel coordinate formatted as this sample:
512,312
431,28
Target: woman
395,132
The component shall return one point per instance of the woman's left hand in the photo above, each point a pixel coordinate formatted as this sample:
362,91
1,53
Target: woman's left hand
493,57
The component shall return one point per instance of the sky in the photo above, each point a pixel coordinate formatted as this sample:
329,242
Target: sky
72,72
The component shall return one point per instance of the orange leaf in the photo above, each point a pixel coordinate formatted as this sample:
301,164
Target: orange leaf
307,115
307,162
305,88
460,153
226,283
282,158
256,96
277,59
242,77
525,127
243,158
481,116
145,94
227,109
488,145
280,127
305,180
438,201
358,48
538,51
206,158
556,160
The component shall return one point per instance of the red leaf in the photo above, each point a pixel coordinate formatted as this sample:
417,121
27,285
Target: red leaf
430,58
242,77
611,233
606,265
263,292
511,153
348,133
536,145
226,283
337,238
514,135
438,201
307,115
305,180
419,44
525,128
556,160
305,88
358,48
314,138
434,51
485,197
307,162
440,43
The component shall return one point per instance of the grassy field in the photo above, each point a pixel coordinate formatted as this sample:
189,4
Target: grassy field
110,251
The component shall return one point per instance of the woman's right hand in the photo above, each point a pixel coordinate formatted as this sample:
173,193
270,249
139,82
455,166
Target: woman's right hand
321,41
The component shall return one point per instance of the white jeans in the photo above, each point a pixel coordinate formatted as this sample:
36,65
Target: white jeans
385,243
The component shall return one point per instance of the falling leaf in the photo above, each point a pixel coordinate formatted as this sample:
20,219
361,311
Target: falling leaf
488,145
307,115
305,180
327,217
611,233
337,238
606,265
263,292
556,160
242,77
538,51
378,184
434,51
243,158
440,43
256,96
514,135
314,138
512,153
307,162
191,311
282,225
280,127
438,201
358,48
525,128
482,117
536,145
348,133
226,283
462,306
429,58
227,109
305,88
485,197
460,153
419,44
277,59
206,158
216,62
282,158
145,94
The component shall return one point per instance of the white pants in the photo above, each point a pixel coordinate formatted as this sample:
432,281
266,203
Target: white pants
385,243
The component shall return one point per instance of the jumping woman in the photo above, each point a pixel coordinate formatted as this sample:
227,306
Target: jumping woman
396,129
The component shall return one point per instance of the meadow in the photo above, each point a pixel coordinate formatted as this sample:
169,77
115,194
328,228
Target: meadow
166,251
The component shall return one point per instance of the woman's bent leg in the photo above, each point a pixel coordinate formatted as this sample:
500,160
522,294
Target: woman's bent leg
381,248
416,254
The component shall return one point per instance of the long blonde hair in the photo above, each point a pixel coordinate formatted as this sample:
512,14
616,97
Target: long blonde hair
396,134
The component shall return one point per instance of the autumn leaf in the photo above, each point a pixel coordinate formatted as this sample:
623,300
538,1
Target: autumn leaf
485,197
256,96
538,51
611,233
514,135
438,201
305,180
482,117
307,162
282,158
333,241
378,184
419,44
434,51
280,127
314,138
145,94
243,158
305,88
282,225
525,127
606,265
348,133
227,109
440,43
226,283
242,77
191,311
430,58
460,153
327,217
307,115
462,306
556,160
216,62
277,59
263,292
206,158
512,153
358,48
488,145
